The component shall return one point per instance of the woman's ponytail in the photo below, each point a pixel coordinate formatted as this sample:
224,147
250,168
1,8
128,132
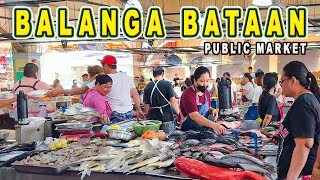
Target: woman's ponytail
313,85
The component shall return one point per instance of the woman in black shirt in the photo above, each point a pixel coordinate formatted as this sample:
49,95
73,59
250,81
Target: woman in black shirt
267,106
299,131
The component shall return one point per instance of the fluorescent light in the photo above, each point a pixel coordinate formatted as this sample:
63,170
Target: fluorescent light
262,2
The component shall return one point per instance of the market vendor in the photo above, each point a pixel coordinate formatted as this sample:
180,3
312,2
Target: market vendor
30,81
123,89
95,97
195,104
247,89
93,72
267,106
158,97
299,132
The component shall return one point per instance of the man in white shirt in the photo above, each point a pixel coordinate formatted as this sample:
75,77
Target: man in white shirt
250,70
258,88
119,98
278,92
233,88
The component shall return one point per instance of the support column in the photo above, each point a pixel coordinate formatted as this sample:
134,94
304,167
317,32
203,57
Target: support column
273,63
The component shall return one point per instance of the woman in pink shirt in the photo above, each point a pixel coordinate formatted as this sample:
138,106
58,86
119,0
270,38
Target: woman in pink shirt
95,97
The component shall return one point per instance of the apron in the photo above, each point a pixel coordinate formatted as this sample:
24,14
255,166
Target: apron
165,116
20,85
203,109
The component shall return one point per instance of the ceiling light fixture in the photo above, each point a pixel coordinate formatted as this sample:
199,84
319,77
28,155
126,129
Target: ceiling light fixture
262,2
133,3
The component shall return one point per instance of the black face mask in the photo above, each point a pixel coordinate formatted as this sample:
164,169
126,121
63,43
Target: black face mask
202,88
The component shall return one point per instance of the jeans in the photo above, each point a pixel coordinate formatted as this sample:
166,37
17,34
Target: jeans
118,117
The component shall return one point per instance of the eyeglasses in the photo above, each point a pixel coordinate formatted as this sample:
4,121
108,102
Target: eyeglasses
281,82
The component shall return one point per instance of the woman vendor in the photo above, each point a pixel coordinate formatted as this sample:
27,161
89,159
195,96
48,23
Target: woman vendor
299,131
247,89
95,97
195,104
267,106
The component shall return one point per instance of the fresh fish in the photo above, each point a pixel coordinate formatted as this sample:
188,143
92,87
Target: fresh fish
146,146
113,164
196,155
222,150
191,134
175,146
112,142
253,168
177,151
218,162
228,141
215,154
162,164
187,154
245,159
96,158
85,168
225,146
192,142
143,157
208,134
245,149
177,136
164,157
144,163
145,169
199,170
208,141
125,166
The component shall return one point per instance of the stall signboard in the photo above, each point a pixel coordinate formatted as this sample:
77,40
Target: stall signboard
6,66
193,25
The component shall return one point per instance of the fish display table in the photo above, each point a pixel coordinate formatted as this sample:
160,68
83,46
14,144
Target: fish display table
8,173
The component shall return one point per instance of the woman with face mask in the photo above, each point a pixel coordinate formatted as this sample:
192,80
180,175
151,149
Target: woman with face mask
195,104
299,131
95,97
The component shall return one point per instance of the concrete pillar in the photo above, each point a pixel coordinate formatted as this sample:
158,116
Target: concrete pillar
213,72
20,60
273,63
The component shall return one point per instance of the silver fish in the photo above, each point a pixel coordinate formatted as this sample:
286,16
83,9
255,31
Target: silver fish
254,168
144,163
245,159
162,164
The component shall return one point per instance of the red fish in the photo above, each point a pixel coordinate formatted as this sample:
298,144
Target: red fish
199,170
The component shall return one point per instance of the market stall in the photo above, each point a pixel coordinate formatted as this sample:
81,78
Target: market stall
69,145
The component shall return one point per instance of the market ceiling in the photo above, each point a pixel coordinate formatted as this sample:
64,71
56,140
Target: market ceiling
170,9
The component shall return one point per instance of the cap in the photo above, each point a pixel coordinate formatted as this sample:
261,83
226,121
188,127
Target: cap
109,60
